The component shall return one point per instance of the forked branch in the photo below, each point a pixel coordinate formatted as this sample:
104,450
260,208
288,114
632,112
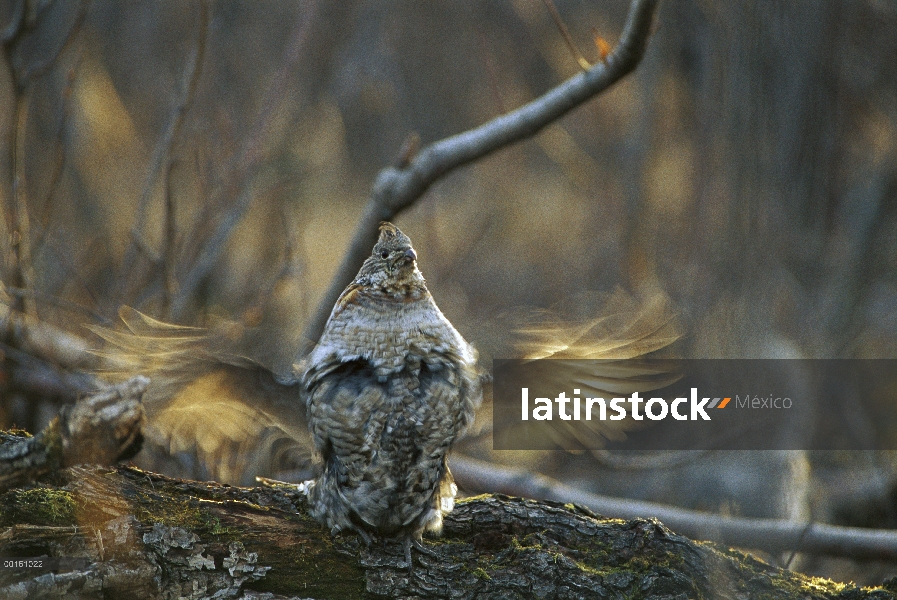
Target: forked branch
396,188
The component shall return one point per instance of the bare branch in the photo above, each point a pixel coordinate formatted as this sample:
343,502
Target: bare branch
40,339
767,534
17,215
397,188
29,72
15,23
246,162
163,150
60,149
168,249
43,359
169,284
43,378
23,274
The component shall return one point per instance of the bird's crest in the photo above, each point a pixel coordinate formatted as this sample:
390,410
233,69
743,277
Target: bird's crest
390,234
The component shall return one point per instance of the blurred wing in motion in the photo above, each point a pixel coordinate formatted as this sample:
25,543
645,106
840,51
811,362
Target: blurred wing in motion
590,325
614,328
211,413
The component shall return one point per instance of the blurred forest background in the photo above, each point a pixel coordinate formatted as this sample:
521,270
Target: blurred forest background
205,159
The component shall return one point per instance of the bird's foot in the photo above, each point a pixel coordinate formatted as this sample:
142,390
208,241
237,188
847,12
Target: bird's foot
423,549
407,543
365,537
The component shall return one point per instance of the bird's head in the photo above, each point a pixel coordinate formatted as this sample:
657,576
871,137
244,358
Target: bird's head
393,262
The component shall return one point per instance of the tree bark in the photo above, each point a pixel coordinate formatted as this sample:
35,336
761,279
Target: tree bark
103,428
143,535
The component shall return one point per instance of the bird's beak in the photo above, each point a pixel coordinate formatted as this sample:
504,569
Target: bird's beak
410,254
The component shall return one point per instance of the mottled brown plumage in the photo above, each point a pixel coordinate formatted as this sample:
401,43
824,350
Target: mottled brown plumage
389,387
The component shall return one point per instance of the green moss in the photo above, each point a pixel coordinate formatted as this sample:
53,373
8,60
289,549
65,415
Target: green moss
479,573
473,498
14,432
590,570
213,526
781,583
187,514
168,511
518,544
37,506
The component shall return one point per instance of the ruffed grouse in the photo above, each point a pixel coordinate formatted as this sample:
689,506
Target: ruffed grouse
389,387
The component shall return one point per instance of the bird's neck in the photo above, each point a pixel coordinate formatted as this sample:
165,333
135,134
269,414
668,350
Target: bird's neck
396,292
403,287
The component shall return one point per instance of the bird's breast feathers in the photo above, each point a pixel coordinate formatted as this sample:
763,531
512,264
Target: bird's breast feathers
387,332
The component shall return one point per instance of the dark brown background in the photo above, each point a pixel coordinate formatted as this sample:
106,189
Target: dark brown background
196,162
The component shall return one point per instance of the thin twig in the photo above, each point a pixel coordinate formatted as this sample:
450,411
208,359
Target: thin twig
14,25
169,258
60,149
263,296
163,150
39,237
243,167
19,220
491,71
396,189
23,274
65,259
565,33
39,69
446,271
800,540
169,283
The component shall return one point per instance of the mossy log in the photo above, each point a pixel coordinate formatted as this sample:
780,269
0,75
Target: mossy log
143,535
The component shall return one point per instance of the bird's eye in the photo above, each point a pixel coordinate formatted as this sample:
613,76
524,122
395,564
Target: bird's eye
384,254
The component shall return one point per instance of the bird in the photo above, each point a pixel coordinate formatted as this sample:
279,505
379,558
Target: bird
373,410
389,387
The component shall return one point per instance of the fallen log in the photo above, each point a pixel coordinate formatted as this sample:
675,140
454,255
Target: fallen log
105,532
